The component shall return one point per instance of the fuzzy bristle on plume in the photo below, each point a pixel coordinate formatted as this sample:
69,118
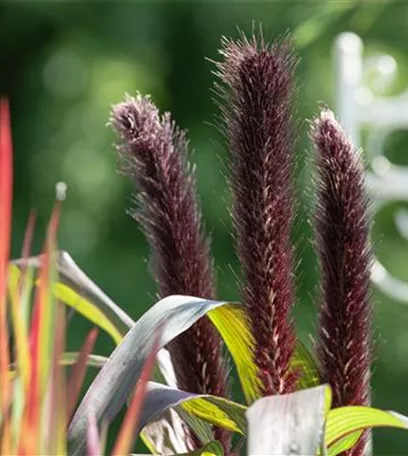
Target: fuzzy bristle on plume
153,153
342,227
256,98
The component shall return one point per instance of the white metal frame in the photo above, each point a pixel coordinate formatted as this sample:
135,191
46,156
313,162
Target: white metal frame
357,107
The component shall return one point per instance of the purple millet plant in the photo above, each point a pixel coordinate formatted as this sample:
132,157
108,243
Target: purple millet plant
342,228
256,92
152,152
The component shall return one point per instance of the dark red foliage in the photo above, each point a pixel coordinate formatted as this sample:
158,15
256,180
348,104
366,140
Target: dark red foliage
256,102
153,154
342,238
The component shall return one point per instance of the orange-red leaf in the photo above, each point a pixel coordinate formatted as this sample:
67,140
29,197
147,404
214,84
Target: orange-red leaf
40,341
93,439
78,371
6,184
127,434
28,239
57,407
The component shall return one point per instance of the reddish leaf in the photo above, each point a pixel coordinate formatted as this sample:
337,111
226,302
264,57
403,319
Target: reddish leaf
93,440
78,371
28,239
127,433
39,341
6,184
57,405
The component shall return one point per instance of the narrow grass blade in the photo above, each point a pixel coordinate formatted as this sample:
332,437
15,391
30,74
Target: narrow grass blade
41,346
93,441
19,325
28,239
57,405
127,434
6,185
47,309
19,312
78,371
70,358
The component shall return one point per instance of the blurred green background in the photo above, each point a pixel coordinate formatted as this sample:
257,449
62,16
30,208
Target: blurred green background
64,63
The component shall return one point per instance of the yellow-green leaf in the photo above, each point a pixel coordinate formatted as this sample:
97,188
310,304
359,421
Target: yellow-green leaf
75,289
232,323
346,424
218,411
20,328
86,308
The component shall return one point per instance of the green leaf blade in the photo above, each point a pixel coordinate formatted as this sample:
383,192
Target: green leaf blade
346,424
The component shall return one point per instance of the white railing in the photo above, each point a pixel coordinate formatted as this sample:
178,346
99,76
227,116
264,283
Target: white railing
358,106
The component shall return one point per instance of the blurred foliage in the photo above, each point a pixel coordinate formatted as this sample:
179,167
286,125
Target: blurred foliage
64,63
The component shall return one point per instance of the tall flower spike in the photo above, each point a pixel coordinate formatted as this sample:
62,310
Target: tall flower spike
256,90
342,237
153,154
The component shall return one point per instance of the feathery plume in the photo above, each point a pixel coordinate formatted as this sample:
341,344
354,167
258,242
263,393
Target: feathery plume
153,154
256,91
342,228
